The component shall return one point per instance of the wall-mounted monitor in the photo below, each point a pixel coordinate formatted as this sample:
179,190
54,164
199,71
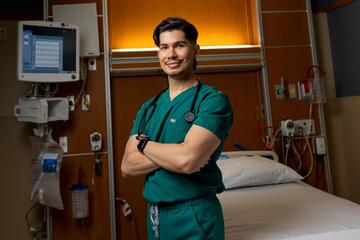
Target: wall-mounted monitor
48,52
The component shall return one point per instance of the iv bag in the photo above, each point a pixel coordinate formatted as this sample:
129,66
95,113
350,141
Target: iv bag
46,173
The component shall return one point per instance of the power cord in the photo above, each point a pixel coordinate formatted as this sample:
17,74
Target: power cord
82,90
127,212
290,144
37,232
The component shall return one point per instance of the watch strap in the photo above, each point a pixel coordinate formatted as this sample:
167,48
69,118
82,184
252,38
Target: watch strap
143,140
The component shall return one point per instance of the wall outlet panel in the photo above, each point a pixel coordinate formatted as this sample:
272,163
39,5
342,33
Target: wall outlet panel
63,142
71,101
85,102
279,91
292,90
304,125
320,146
287,128
305,91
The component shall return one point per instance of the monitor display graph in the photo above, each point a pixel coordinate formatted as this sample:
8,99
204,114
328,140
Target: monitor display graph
48,52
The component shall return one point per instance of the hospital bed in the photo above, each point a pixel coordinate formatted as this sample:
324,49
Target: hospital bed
265,200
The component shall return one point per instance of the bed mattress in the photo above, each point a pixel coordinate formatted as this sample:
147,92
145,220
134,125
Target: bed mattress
290,210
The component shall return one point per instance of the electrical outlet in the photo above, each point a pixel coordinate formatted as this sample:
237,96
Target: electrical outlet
71,101
63,143
320,146
304,125
92,64
287,128
85,103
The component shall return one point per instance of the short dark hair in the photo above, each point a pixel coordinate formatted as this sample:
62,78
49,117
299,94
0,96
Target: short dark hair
176,23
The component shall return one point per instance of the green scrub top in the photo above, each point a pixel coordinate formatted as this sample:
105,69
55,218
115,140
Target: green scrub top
167,125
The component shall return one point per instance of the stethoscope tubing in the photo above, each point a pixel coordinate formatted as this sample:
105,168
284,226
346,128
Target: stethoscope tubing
189,116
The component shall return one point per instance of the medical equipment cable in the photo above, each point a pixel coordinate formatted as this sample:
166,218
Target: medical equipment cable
288,146
128,212
275,136
82,92
34,90
299,156
38,232
310,109
85,228
266,139
35,188
311,156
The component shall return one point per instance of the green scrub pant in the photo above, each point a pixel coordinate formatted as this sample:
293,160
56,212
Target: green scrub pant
196,219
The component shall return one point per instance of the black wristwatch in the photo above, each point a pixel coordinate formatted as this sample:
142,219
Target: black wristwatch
143,140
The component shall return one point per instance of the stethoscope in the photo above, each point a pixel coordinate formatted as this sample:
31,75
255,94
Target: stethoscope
189,116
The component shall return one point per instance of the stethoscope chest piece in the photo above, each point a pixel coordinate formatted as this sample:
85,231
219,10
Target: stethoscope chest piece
189,117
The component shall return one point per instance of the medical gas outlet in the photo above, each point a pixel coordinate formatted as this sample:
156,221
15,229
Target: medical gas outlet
304,127
287,128
96,142
300,128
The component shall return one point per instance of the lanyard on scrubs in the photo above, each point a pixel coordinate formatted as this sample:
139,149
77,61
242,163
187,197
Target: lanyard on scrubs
189,116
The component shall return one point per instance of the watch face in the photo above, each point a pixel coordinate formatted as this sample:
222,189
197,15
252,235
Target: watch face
189,117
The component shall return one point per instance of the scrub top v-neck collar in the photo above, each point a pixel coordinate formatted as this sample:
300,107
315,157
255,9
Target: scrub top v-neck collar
179,96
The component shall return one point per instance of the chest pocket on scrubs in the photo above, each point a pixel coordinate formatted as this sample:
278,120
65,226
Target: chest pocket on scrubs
176,128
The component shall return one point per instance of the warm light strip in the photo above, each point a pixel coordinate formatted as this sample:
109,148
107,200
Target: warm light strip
201,47
207,57
229,46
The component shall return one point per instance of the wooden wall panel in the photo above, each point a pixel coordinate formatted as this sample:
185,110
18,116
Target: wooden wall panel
128,93
245,93
286,28
97,225
78,129
82,123
280,5
291,64
288,56
132,22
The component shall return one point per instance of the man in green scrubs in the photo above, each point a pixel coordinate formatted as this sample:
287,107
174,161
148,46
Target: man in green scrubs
177,137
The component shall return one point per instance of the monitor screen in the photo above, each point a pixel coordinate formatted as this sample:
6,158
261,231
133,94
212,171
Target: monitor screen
48,52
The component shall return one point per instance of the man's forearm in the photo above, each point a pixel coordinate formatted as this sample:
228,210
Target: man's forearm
134,162
186,157
137,164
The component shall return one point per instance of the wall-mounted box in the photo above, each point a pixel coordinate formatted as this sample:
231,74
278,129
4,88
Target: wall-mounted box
83,15
42,110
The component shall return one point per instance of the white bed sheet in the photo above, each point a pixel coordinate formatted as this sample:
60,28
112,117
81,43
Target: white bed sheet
352,234
284,211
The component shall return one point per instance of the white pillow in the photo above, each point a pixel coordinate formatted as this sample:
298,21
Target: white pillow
255,171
